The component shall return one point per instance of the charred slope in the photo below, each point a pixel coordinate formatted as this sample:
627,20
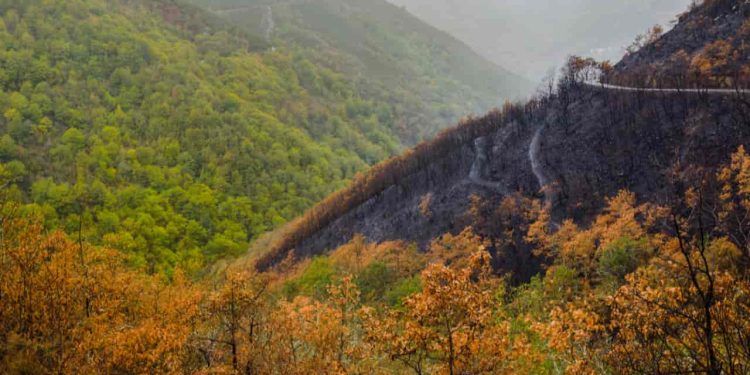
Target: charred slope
589,144
385,203
710,41
422,205
603,141
583,144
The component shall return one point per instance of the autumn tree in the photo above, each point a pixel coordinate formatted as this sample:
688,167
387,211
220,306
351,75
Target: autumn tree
149,326
682,314
617,235
70,307
684,310
309,336
235,320
733,213
455,251
449,327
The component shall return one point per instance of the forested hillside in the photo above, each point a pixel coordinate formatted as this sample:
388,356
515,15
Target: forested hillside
142,126
430,78
157,127
594,229
579,143
643,288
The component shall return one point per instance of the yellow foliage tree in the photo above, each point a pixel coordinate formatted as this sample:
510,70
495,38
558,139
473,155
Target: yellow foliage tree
68,307
450,327
309,336
234,318
733,214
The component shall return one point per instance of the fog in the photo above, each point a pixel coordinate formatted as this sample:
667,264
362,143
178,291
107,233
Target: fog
530,37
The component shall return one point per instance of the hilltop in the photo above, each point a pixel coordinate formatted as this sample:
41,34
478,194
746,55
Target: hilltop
709,41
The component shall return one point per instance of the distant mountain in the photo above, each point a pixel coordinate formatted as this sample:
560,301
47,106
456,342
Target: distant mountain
533,36
430,77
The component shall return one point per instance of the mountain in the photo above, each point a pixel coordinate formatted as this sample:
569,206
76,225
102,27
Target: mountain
535,36
159,128
154,127
573,148
431,78
599,228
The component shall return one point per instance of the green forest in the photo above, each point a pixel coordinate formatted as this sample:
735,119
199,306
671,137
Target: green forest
429,78
152,127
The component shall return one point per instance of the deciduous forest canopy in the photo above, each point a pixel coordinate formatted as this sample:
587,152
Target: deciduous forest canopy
153,127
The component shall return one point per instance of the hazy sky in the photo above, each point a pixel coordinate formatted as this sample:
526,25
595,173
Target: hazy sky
532,36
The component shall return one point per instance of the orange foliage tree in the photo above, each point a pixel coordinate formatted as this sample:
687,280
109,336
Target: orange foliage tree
234,319
685,308
450,327
68,307
309,336
733,214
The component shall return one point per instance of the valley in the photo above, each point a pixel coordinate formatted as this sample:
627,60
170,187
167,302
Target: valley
335,186
430,78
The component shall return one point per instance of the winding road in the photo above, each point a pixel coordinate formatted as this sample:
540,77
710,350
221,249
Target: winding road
480,144
480,161
536,165
607,86
268,24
